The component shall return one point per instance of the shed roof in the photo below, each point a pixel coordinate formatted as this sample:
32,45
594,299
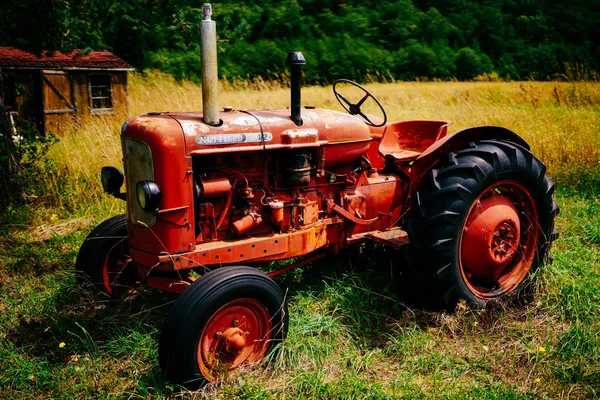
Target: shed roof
12,58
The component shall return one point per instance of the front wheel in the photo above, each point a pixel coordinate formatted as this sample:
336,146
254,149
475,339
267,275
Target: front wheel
485,223
103,259
229,317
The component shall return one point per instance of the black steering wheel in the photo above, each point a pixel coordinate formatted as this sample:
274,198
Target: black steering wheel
354,109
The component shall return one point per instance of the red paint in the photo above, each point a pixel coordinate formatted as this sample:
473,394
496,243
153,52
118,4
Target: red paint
116,261
499,239
215,188
490,237
406,140
437,153
239,332
219,184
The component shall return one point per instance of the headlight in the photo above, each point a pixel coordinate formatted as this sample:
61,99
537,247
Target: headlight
112,179
149,195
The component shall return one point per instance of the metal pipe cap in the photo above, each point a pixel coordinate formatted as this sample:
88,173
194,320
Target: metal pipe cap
295,58
206,11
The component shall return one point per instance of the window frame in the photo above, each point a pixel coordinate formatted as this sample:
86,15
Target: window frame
101,111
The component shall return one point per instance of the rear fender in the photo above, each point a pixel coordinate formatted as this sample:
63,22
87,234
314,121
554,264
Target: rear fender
438,152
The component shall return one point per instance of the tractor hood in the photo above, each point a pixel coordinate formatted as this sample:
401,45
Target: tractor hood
344,138
269,129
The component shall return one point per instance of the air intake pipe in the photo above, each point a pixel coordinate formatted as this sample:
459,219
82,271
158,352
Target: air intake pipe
295,60
210,77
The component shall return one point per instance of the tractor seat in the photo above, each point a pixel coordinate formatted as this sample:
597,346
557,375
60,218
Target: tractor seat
406,140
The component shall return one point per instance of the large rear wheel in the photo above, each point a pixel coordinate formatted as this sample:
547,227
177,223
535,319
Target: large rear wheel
230,317
484,225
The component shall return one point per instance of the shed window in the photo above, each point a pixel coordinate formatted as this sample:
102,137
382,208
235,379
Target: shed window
100,92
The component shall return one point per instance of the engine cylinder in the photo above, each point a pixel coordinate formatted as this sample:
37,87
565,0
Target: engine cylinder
246,223
277,212
298,169
214,188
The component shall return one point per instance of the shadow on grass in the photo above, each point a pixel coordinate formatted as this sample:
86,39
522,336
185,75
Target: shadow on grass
120,338
359,290
53,330
111,340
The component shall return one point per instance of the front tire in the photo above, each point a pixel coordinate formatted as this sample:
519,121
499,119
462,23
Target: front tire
484,224
228,317
103,259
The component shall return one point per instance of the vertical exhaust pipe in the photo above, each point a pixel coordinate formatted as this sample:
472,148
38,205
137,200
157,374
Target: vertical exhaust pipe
210,76
295,60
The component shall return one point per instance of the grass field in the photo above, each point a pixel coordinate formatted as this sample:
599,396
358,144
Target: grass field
349,336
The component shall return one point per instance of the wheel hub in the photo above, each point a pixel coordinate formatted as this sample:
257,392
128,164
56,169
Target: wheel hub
237,333
490,237
233,341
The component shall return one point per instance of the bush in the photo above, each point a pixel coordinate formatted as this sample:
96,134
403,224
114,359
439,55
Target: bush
470,64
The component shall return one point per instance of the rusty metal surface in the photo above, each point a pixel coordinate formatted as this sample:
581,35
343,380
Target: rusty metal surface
343,136
395,237
349,215
310,212
239,332
439,150
406,140
214,188
385,195
246,223
172,172
272,247
499,239
138,167
227,198
210,77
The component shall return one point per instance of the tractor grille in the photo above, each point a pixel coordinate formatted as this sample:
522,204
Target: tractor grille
138,167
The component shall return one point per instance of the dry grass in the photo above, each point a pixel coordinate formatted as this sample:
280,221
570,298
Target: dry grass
561,121
345,339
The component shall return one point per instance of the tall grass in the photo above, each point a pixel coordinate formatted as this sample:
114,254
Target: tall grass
349,336
561,121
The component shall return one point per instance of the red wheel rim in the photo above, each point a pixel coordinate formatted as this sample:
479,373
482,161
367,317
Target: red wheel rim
115,263
499,239
238,333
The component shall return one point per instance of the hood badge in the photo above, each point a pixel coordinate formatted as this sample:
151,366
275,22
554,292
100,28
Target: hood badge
234,138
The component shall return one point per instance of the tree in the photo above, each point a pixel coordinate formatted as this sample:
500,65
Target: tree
470,64
10,169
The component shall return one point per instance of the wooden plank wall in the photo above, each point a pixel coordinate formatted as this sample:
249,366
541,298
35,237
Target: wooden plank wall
61,112
59,101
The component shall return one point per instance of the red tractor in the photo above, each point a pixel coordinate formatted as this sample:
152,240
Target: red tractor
209,192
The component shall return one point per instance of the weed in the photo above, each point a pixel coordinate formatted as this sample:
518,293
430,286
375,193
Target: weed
349,336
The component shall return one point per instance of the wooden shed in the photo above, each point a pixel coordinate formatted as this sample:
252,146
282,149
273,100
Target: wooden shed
54,89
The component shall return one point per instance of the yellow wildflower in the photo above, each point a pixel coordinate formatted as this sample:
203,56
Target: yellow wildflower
537,380
61,344
54,217
542,349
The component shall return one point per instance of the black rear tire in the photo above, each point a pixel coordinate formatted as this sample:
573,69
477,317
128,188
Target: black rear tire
238,305
452,204
103,259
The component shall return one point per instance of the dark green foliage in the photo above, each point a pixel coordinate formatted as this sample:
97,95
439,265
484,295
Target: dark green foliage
22,158
403,39
469,64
